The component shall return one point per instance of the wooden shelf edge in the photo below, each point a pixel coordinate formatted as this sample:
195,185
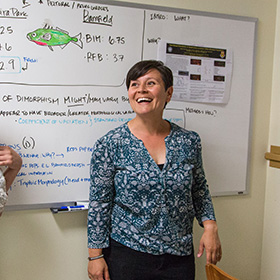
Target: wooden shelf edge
273,156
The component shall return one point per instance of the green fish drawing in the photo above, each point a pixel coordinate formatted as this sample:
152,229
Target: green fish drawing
54,37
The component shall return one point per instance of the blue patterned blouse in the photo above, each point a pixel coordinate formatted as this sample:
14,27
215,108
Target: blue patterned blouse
136,204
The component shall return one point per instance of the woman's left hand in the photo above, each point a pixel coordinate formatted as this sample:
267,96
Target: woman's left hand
210,241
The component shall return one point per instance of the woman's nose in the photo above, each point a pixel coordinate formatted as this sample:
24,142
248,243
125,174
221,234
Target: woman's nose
142,88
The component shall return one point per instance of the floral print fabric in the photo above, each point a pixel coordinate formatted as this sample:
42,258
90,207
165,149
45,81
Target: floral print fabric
3,194
137,204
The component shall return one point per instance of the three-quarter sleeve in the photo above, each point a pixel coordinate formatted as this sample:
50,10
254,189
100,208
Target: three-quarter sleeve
140,206
201,196
100,196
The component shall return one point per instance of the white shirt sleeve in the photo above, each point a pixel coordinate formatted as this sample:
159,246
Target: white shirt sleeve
3,194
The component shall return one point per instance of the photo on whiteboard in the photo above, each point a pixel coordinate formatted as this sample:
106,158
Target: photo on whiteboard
201,74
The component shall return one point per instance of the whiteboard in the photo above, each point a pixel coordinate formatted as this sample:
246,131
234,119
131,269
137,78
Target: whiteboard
58,98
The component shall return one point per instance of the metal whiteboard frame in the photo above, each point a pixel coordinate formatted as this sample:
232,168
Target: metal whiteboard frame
182,11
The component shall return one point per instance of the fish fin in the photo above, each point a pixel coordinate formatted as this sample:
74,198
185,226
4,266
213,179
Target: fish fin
77,40
47,26
61,30
50,47
63,46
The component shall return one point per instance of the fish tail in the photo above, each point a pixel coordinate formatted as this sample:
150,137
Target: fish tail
77,40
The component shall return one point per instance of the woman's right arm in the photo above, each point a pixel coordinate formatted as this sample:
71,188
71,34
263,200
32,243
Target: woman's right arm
100,207
97,269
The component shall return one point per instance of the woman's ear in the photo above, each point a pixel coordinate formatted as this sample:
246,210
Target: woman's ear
169,93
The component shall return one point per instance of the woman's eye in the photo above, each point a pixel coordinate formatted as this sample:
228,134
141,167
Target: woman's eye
133,84
151,83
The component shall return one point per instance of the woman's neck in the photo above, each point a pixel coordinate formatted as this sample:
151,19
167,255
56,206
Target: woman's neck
149,127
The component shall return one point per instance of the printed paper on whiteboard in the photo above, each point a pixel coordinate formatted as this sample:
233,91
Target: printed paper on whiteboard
201,74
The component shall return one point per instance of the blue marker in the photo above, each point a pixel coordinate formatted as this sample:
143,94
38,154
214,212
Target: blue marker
69,208
73,208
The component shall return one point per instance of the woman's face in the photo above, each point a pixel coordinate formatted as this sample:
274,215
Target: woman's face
147,94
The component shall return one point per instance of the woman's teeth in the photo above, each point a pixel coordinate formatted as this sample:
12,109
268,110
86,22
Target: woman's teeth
144,99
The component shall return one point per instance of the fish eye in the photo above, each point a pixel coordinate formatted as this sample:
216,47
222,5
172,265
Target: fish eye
33,35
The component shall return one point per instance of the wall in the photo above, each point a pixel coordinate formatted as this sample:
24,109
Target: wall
271,242
38,245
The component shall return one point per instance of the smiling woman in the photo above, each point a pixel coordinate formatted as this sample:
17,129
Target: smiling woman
149,83
147,185
147,95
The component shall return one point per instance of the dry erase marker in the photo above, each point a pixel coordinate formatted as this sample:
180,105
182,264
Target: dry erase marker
64,209
72,208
